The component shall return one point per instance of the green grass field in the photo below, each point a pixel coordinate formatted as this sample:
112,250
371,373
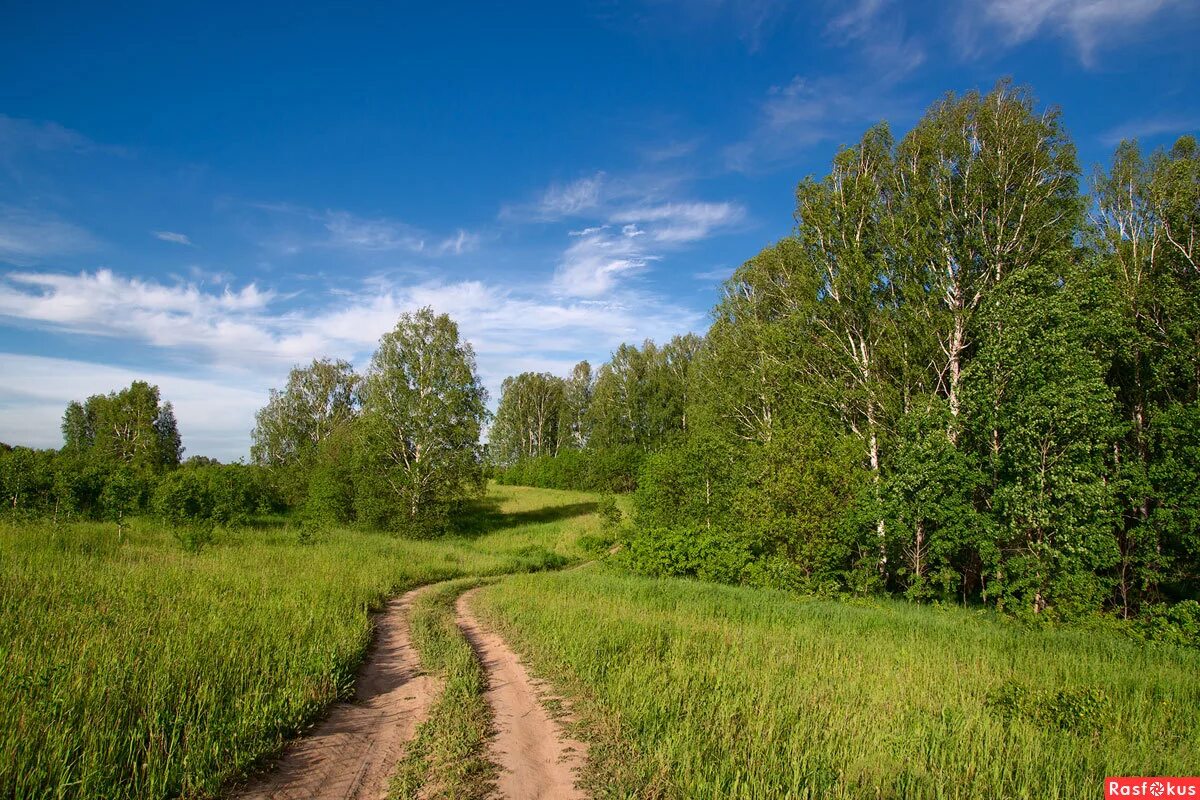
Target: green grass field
135,669
693,690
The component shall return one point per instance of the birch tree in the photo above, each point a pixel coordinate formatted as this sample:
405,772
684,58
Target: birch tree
423,407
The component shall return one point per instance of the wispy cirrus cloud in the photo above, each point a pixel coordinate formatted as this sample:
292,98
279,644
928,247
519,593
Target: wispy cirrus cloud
27,237
599,260
172,237
1090,25
18,134
681,222
291,229
461,242
809,111
634,222
1148,127
560,201
345,230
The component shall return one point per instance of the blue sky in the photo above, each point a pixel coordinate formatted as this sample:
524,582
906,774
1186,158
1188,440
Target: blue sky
205,195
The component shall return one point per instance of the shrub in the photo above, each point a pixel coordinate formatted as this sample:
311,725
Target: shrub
1177,624
609,511
680,552
1079,710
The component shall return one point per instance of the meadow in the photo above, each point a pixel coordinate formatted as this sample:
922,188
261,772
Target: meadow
134,668
695,690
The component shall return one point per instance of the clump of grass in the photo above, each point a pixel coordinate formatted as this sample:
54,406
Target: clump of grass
447,759
694,690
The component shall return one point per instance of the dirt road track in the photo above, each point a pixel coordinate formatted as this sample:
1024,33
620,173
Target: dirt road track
353,752
537,760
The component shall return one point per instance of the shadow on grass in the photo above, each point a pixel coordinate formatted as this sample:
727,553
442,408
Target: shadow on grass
478,517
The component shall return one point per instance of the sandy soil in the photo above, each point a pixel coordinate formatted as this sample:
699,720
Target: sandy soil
354,751
537,760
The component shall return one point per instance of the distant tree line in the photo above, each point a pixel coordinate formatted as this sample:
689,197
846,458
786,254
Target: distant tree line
960,378
121,456
592,430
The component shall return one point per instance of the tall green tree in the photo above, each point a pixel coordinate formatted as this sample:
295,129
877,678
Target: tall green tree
423,407
574,431
130,426
318,400
530,418
1145,225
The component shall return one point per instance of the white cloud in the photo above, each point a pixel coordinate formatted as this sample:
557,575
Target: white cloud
26,238
17,134
855,19
459,243
226,325
587,231
716,275
679,222
593,265
1088,24
215,412
671,150
600,259
1148,127
347,231
568,200
173,237
810,111
254,334
291,229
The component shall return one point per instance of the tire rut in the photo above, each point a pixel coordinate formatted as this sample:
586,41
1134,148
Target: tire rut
352,753
537,760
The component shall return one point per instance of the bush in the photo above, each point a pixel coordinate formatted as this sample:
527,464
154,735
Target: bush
1079,710
612,469
609,511
679,552
1177,624
224,495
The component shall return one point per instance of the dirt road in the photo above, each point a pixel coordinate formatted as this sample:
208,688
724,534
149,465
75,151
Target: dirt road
353,752
537,760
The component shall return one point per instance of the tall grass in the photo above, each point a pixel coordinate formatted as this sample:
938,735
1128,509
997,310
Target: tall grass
134,669
719,692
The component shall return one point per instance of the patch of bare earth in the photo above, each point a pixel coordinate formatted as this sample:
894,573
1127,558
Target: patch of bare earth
537,760
353,752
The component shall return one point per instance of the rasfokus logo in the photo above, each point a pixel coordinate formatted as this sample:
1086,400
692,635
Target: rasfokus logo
1151,787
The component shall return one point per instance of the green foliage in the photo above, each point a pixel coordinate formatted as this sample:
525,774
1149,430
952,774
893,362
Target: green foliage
532,420
1078,710
596,469
609,512
1177,624
936,532
318,401
329,497
947,383
227,495
121,496
130,427
418,449
702,553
